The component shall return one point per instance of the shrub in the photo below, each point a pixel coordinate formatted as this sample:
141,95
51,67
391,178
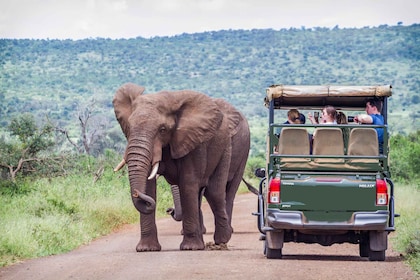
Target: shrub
405,157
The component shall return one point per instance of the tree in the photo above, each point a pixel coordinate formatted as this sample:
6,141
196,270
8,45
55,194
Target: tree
25,145
92,129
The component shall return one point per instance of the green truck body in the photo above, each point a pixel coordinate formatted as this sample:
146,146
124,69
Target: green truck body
337,191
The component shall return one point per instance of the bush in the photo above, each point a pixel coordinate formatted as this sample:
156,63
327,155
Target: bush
405,157
252,164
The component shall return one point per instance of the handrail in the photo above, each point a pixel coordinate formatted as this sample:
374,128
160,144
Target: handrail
330,125
328,156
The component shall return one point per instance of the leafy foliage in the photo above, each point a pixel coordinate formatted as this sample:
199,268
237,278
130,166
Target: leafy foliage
405,156
21,154
34,139
57,77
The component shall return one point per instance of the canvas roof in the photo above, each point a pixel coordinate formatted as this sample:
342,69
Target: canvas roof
341,97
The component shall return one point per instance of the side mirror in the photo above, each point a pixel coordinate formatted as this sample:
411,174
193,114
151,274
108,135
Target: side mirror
260,172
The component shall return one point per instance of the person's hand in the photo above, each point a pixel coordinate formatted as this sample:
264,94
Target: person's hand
311,118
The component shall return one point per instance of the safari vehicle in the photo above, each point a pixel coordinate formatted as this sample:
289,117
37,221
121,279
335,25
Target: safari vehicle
336,191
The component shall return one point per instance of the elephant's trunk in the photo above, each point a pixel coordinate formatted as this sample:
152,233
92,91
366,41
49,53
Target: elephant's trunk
143,202
139,163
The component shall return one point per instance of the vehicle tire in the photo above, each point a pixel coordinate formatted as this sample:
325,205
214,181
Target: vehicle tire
376,255
272,253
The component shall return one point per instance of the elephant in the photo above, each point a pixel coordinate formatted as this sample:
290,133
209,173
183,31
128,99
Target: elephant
194,141
237,165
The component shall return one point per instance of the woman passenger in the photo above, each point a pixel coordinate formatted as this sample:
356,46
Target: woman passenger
329,116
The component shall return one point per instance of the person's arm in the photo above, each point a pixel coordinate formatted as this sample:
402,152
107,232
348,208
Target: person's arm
363,118
312,118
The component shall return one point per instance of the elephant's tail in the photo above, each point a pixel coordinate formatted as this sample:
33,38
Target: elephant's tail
250,187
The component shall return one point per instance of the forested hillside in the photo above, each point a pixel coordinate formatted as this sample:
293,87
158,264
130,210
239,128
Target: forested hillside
59,79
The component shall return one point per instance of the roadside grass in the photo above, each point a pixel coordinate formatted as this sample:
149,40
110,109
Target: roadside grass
52,216
407,236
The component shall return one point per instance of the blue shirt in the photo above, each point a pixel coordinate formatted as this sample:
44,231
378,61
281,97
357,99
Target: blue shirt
378,119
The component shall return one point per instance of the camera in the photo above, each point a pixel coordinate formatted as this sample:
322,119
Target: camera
350,119
316,116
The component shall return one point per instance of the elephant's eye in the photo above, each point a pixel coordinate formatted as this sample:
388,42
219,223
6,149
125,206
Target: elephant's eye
162,130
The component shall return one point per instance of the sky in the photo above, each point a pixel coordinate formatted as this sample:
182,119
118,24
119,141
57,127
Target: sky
115,19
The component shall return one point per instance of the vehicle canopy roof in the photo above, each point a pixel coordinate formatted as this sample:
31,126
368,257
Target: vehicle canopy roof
316,97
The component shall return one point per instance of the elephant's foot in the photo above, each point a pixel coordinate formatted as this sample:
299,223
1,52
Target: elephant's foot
222,236
147,245
192,243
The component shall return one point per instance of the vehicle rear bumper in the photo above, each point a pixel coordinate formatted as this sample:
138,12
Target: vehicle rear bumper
279,220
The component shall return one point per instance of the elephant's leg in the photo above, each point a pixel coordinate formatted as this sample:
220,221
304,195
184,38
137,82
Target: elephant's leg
192,234
176,211
203,228
148,230
192,171
223,231
232,188
148,234
216,196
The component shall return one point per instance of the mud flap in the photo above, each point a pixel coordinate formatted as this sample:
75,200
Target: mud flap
275,239
378,240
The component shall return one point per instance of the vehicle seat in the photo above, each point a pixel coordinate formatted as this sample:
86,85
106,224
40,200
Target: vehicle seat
363,142
328,141
294,141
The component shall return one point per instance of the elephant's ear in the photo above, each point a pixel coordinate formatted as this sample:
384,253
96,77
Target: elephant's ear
199,118
233,116
123,101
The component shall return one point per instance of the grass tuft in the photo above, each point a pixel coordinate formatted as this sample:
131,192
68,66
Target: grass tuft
407,235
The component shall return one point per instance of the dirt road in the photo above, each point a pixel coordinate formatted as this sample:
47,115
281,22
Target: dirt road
114,257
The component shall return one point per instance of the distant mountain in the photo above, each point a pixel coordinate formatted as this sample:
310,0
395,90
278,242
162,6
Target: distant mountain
55,77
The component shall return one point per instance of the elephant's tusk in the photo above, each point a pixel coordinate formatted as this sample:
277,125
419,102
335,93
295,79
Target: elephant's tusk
154,171
120,165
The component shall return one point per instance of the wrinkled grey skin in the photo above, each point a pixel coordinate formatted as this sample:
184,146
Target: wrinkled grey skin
194,138
176,211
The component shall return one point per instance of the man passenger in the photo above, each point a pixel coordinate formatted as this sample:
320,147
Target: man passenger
373,116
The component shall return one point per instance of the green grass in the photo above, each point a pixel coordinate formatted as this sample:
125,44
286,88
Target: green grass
406,239
52,216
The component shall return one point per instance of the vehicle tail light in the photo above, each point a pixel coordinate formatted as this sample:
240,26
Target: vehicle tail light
381,192
274,190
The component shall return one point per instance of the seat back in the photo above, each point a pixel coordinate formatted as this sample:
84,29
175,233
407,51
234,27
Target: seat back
294,141
363,142
328,141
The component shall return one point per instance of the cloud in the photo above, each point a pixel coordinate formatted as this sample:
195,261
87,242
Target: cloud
78,19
